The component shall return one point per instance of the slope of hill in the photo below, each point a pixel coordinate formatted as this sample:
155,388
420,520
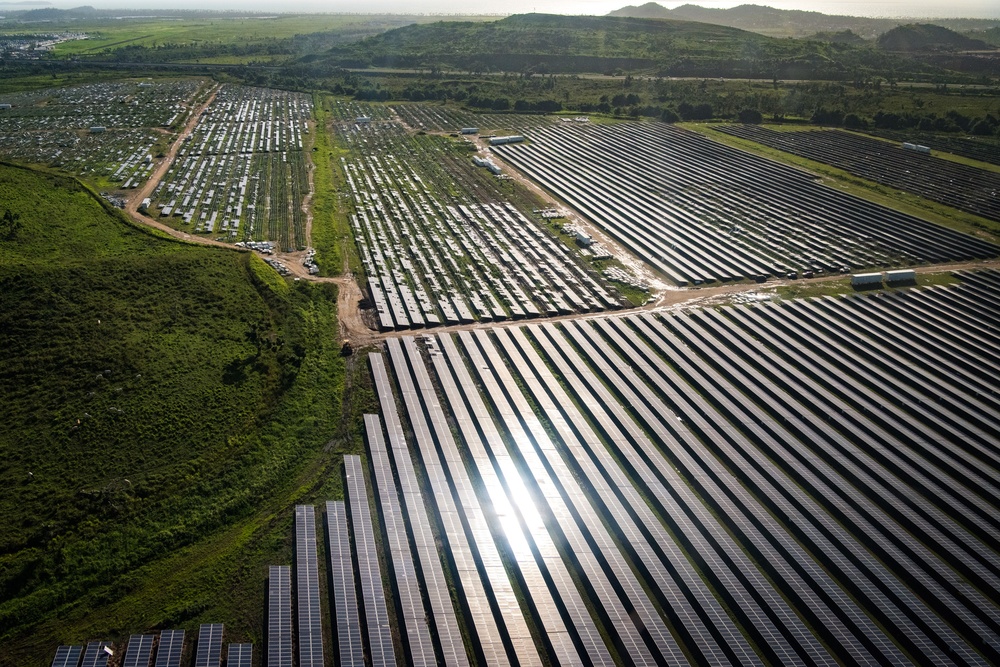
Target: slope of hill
788,22
548,43
153,394
924,37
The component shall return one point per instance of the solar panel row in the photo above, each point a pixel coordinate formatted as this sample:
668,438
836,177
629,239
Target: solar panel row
345,600
473,549
307,588
170,649
239,655
447,633
139,652
380,631
814,483
518,522
279,616
67,656
209,653
415,623
95,655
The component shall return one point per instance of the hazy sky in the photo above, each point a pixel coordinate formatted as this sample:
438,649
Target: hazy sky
890,8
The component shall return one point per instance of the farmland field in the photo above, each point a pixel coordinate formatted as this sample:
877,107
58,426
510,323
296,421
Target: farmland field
806,483
699,211
242,174
106,132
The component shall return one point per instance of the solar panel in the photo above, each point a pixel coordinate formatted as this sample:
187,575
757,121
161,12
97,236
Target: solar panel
415,621
168,653
140,651
240,655
209,645
345,600
67,656
95,655
380,632
307,588
279,616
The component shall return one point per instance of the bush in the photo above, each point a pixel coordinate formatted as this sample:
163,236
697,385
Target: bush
750,116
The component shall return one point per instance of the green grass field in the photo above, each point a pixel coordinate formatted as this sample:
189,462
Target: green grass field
164,406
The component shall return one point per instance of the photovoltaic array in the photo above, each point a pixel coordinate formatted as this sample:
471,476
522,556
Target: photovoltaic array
700,211
310,621
209,652
812,482
140,651
279,616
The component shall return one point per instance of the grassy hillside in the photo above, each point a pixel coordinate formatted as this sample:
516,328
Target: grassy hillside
918,37
788,22
157,396
547,43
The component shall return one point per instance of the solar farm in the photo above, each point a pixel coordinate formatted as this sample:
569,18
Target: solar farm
242,173
103,130
774,484
549,474
699,211
966,188
439,248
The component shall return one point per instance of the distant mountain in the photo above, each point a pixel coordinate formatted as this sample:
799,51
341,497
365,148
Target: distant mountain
788,22
53,14
542,43
924,37
650,10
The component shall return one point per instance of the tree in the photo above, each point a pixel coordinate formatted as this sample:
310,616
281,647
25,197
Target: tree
10,225
750,117
854,122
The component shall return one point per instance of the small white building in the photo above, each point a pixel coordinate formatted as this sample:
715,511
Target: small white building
866,279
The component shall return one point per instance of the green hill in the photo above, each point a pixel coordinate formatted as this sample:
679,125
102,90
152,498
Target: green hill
789,22
573,44
154,394
924,37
